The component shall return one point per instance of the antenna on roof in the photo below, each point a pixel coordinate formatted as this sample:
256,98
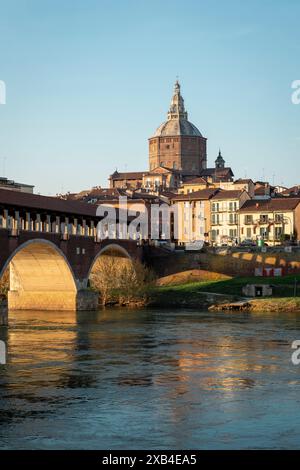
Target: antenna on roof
4,162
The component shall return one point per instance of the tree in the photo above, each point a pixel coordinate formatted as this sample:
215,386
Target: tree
4,284
120,280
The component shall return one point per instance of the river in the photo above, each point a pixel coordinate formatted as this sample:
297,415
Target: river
145,379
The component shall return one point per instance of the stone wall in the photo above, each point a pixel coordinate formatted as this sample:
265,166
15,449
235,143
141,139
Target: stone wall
232,264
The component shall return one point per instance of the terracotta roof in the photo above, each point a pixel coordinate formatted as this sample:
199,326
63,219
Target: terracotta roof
197,180
229,194
293,190
270,205
134,175
45,203
94,193
262,190
243,181
219,172
160,170
195,195
168,194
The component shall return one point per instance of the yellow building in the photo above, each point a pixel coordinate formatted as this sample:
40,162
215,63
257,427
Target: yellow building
224,207
199,183
272,220
194,184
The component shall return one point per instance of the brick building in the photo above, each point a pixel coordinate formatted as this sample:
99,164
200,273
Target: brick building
177,143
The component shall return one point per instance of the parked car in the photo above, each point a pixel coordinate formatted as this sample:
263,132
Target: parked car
247,242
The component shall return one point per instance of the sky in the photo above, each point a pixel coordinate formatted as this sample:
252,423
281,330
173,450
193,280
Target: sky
89,81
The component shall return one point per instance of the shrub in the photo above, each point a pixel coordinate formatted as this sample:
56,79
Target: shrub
4,284
120,280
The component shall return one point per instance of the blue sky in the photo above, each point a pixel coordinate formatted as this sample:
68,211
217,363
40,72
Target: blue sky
89,81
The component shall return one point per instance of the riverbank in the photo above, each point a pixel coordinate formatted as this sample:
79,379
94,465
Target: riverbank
212,294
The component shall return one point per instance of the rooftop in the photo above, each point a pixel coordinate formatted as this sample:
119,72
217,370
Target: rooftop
195,195
45,203
219,172
132,175
197,180
270,205
229,194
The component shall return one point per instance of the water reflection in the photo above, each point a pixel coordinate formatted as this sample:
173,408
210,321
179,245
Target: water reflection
149,379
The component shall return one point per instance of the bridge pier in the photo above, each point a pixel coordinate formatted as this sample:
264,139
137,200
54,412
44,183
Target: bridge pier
53,300
3,314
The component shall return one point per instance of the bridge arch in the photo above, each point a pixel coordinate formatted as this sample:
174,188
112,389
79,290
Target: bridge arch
41,278
110,249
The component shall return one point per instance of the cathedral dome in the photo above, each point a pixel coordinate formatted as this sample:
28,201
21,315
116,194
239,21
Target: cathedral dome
177,127
177,123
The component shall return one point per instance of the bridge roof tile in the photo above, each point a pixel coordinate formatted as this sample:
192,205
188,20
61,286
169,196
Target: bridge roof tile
46,203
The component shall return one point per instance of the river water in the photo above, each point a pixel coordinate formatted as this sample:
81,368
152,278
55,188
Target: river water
147,379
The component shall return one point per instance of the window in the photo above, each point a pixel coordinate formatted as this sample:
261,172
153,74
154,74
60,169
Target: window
233,233
214,235
215,207
233,218
232,206
249,232
279,218
278,233
264,233
215,219
248,219
263,219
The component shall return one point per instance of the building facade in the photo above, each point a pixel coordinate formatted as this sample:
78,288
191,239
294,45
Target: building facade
193,215
225,207
274,220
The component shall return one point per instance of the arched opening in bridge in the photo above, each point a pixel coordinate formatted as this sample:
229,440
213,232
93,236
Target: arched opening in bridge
112,274
40,278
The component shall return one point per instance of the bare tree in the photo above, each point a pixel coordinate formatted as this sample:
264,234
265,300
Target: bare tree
120,280
4,284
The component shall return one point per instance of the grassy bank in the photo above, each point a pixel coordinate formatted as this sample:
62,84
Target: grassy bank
196,294
282,286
